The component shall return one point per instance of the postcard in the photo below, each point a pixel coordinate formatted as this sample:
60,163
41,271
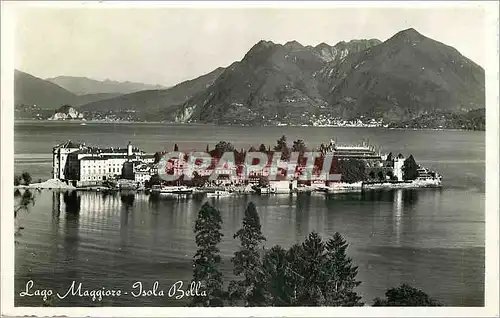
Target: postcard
193,158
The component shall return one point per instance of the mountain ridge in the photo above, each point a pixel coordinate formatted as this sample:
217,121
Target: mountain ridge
155,100
80,85
401,78
272,81
405,76
32,90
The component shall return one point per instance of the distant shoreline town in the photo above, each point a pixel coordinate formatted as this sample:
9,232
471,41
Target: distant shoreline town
466,120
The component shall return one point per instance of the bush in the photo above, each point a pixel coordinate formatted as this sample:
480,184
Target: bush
26,178
406,296
17,180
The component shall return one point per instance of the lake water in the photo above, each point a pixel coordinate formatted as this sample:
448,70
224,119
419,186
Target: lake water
431,238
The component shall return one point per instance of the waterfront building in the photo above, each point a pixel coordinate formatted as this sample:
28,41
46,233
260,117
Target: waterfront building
143,172
362,151
86,165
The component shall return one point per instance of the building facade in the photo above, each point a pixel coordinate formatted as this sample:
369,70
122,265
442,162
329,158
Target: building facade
84,165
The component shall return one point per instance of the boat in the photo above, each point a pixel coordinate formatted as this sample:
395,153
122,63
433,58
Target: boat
83,124
340,187
171,190
218,194
265,190
434,182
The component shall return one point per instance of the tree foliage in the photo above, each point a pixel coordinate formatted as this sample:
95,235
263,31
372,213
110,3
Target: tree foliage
247,262
410,169
26,178
313,273
207,259
281,146
381,175
299,146
406,296
17,180
341,287
224,146
352,170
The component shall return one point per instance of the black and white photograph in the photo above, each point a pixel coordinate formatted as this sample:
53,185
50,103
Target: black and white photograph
256,154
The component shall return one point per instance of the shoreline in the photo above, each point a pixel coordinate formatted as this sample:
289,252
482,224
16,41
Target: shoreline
79,121
349,188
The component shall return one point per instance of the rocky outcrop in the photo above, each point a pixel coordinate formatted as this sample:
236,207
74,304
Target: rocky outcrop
66,112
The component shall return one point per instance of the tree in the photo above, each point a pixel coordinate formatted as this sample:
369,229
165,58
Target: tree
246,261
342,282
262,148
224,146
410,169
352,170
26,178
281,144
310,263
207,259
299,146
282,147
390,174
176,148
17,180
381,175
280,280
406,296
313,273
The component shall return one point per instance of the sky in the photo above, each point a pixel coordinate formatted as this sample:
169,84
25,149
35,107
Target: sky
169,45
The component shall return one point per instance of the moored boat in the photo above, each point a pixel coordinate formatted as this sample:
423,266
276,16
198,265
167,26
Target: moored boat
171,190
218,194
340,187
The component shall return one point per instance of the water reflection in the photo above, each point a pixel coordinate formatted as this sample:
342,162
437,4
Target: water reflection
302,208
127,203
71,202
386,212
71,237
410,196
378,195
398,211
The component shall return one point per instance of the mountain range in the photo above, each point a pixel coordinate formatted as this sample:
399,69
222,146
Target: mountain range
399,79
31,90
404,77
155,100
85,86
272,81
